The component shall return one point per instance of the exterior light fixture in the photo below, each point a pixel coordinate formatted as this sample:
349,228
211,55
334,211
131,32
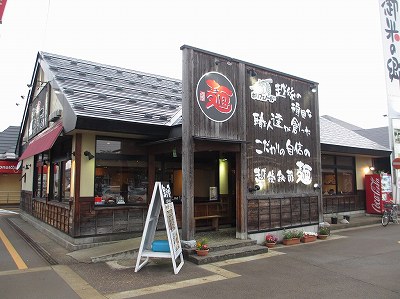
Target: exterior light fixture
252,72
372,168
314,88
88,154
228,62
27,166
255,188
316,187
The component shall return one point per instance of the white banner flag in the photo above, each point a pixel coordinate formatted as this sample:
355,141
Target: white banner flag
390,26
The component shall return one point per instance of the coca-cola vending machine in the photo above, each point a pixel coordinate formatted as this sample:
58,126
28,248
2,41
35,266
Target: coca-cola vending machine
378,189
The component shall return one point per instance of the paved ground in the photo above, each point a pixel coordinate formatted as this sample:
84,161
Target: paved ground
343,268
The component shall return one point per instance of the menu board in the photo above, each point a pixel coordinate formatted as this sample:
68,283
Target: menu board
161,199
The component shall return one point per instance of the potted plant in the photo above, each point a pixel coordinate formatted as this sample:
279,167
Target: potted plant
309,237
323,232
291,237
202,247
270,240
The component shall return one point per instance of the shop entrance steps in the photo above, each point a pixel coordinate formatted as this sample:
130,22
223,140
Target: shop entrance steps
226,250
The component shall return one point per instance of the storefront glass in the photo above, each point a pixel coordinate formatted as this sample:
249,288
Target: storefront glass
338,175
121,172
40,181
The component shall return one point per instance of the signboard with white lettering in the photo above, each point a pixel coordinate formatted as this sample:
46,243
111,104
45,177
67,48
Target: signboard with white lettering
282,131
38,113
271,119
9,167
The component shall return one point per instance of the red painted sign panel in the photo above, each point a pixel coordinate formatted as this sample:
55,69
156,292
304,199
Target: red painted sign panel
9,167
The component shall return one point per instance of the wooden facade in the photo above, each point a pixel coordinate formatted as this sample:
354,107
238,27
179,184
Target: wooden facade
275,121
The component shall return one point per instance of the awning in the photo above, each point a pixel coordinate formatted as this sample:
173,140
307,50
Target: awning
43,141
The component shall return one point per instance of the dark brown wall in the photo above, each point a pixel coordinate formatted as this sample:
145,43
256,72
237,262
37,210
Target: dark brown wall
203,126
290,97
278,128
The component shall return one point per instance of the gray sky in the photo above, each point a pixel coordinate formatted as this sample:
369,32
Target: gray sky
336,43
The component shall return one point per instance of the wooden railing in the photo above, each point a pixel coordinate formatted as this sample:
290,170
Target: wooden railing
343,203
278,213
55,214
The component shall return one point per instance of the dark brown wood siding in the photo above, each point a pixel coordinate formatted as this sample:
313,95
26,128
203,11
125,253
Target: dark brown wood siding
282,132
202,125
277,123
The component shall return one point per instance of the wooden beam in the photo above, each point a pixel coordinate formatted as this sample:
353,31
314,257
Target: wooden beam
241,164
75,231
187,146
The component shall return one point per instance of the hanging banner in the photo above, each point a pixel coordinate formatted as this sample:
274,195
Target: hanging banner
2,7
390,25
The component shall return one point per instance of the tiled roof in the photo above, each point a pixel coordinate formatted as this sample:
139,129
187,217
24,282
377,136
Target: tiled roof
341,123
8,142
334,134
379,135
107,92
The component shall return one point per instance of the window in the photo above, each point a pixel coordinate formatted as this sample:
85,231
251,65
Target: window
61,172
338,175
121,171
40,186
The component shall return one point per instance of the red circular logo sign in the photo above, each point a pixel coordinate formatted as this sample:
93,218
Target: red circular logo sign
216,96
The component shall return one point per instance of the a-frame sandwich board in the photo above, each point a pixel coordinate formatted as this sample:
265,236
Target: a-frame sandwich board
161,198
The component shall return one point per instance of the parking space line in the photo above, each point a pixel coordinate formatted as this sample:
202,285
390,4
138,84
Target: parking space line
217,270
30,270
77,283
270,253
220,274
14,254
166,287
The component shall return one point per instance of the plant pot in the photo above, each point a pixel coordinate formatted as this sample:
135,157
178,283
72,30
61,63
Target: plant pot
308,239
202,252
291,241
270,245
334,220
322,237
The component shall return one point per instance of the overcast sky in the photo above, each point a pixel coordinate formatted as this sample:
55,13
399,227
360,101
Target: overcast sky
336,43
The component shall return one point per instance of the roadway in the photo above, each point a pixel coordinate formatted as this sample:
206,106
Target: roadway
362,262
23,272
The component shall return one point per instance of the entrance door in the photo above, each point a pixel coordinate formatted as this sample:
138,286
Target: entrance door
215,188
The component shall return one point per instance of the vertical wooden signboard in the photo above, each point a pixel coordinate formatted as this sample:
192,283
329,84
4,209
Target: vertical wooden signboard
161,198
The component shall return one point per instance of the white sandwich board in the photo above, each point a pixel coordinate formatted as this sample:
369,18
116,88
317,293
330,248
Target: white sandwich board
161,198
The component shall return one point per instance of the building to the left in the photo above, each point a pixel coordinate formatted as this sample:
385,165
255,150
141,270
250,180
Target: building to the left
10,175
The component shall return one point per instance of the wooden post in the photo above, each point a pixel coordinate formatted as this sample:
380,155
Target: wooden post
187,146
241,164
76,205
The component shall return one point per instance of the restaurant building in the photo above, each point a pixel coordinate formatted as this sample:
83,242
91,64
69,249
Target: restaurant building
238,143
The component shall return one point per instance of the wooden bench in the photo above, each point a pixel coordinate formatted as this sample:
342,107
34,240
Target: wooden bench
213,218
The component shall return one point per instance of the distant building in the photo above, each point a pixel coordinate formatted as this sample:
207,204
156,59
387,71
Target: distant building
10,176
347,155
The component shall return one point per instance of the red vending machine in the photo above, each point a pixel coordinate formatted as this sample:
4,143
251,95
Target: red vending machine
378,189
